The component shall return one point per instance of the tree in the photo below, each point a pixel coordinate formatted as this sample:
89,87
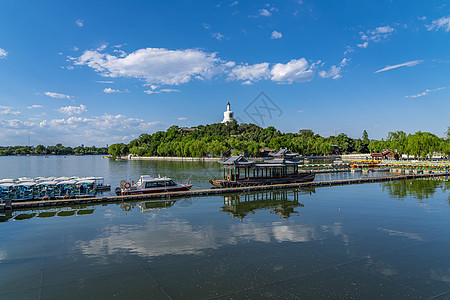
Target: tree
365,143
397,141
40,149
117,150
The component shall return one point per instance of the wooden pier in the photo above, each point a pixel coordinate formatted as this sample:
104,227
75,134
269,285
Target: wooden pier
207,192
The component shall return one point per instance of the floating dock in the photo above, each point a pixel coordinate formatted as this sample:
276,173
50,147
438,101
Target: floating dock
207,192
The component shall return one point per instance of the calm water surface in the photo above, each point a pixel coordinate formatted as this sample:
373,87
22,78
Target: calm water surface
376,240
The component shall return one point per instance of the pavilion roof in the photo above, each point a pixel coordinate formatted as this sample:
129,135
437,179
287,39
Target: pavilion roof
237,160
283,152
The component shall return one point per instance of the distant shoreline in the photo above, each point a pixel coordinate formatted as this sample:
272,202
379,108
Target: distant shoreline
52,155
212,159
172,158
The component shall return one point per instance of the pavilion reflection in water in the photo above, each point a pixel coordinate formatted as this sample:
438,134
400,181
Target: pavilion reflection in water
281,202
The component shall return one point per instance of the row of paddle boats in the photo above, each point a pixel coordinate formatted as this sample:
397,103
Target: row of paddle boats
22,189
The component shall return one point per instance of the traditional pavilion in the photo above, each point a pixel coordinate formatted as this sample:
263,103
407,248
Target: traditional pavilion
239,168
228,116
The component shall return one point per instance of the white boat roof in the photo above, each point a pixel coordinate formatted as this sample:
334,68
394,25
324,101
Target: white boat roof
7,181
6,184
48,183
25,180
27,183
44,179
62,178
149,178
67,182
86,181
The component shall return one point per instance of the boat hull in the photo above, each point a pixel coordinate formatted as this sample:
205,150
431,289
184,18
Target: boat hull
184,187
102,188
303,177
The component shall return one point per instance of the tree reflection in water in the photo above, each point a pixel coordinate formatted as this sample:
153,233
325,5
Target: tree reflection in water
282,202
417,188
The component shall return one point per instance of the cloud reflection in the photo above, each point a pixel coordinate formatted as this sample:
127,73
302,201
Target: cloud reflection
176,236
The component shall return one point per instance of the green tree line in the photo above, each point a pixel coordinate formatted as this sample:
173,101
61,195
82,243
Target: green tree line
217,139
58,149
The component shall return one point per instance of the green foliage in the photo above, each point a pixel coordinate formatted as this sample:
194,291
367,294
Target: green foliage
217,139
58,149
117,150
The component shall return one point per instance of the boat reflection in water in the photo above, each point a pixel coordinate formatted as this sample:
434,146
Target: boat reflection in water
147,206
281,202
18,215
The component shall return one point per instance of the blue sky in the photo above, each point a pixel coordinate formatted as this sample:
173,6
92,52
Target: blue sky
100,72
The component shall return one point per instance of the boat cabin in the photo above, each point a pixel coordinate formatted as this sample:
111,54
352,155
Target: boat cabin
146,181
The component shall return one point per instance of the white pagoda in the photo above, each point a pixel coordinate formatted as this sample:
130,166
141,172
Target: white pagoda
228,115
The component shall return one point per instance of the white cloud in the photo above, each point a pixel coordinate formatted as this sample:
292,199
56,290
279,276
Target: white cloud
79,22
120,52
3,53
7,110
206,26
105,81
348,50
102,47
153,91
382,30
159,67
218,36
110,91
264,12
35,106
75,130
250,73
234,3
363,45
406,64
182,118
443,23
276,35
376,35
57,95
72,110
297,70
427,91
155,65
335,71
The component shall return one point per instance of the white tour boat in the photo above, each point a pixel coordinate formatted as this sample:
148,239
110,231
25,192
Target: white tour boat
147,185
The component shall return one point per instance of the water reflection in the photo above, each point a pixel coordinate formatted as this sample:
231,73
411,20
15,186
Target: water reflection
417,188
149,206
281,202
18,215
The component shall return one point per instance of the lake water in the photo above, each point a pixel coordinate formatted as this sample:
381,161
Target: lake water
376,240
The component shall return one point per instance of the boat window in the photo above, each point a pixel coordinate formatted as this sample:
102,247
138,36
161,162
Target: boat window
154,184
170,183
